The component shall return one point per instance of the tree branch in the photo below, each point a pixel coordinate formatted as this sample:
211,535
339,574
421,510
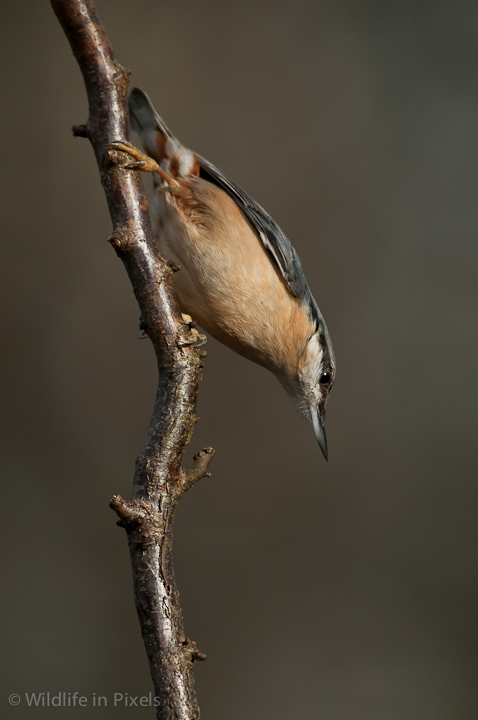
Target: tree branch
159,480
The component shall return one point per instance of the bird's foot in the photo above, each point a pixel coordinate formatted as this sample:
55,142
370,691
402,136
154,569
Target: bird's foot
142,161
195,338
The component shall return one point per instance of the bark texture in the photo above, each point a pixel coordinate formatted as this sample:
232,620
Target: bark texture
159,480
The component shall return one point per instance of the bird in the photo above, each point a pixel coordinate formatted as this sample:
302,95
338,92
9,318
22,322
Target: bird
240,279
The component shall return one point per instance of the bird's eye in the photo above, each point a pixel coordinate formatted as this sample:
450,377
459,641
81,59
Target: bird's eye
324,378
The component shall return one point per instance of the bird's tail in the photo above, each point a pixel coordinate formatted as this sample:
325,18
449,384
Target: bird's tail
157,139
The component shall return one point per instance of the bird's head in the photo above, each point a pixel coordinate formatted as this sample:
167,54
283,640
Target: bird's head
316,375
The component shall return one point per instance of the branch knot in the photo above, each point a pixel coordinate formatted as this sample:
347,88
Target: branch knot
190,651
134,514
81,131
197,471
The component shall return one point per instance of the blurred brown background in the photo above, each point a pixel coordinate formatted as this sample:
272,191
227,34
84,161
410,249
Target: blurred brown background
339,591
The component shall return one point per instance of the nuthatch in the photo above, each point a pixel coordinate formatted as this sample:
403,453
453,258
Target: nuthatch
240,278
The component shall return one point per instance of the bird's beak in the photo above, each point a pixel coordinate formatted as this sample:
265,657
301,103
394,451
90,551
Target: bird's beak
319,429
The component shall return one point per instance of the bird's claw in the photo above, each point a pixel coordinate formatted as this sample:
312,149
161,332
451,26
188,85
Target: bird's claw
195,339
143,161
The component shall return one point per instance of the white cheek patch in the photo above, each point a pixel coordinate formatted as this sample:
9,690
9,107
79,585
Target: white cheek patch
311,362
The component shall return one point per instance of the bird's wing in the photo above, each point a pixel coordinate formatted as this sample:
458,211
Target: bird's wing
274,241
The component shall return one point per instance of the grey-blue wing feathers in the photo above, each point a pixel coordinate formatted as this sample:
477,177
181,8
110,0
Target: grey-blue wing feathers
273,239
